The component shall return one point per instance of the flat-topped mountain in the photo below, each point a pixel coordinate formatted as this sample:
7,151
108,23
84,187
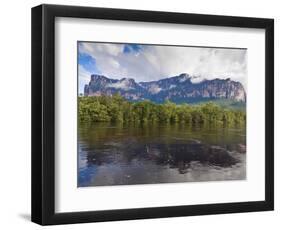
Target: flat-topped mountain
179,89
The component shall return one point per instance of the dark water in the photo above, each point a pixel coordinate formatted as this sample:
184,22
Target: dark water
147,154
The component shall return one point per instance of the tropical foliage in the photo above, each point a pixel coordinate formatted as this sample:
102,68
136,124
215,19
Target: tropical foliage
117,109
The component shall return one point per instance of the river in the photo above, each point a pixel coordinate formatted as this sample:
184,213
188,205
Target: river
110,154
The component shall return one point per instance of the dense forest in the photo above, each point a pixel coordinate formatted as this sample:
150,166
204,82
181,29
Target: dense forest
117,109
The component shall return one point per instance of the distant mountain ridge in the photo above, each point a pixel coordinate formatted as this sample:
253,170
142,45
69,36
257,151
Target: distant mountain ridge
178,89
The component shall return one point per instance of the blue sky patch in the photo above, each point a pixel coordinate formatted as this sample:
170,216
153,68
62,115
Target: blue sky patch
129,48
88,62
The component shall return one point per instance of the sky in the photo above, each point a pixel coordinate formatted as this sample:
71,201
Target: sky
154,62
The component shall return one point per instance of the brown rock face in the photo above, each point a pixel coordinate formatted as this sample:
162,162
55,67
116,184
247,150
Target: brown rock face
178,89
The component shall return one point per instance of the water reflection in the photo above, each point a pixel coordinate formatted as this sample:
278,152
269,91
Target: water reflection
116,155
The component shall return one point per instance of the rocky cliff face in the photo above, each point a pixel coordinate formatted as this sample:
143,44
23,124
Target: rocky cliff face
179,89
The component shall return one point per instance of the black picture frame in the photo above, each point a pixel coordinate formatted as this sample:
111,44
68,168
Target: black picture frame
43,114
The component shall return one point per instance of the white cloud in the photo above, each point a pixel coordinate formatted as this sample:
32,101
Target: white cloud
172,86
84,78
154,89
156,62
123,84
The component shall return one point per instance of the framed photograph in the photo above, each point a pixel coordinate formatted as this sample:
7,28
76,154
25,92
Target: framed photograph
142,114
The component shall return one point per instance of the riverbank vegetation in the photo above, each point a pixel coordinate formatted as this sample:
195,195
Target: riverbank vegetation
117,109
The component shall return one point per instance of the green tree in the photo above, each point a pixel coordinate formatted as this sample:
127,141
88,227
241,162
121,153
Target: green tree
116,109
